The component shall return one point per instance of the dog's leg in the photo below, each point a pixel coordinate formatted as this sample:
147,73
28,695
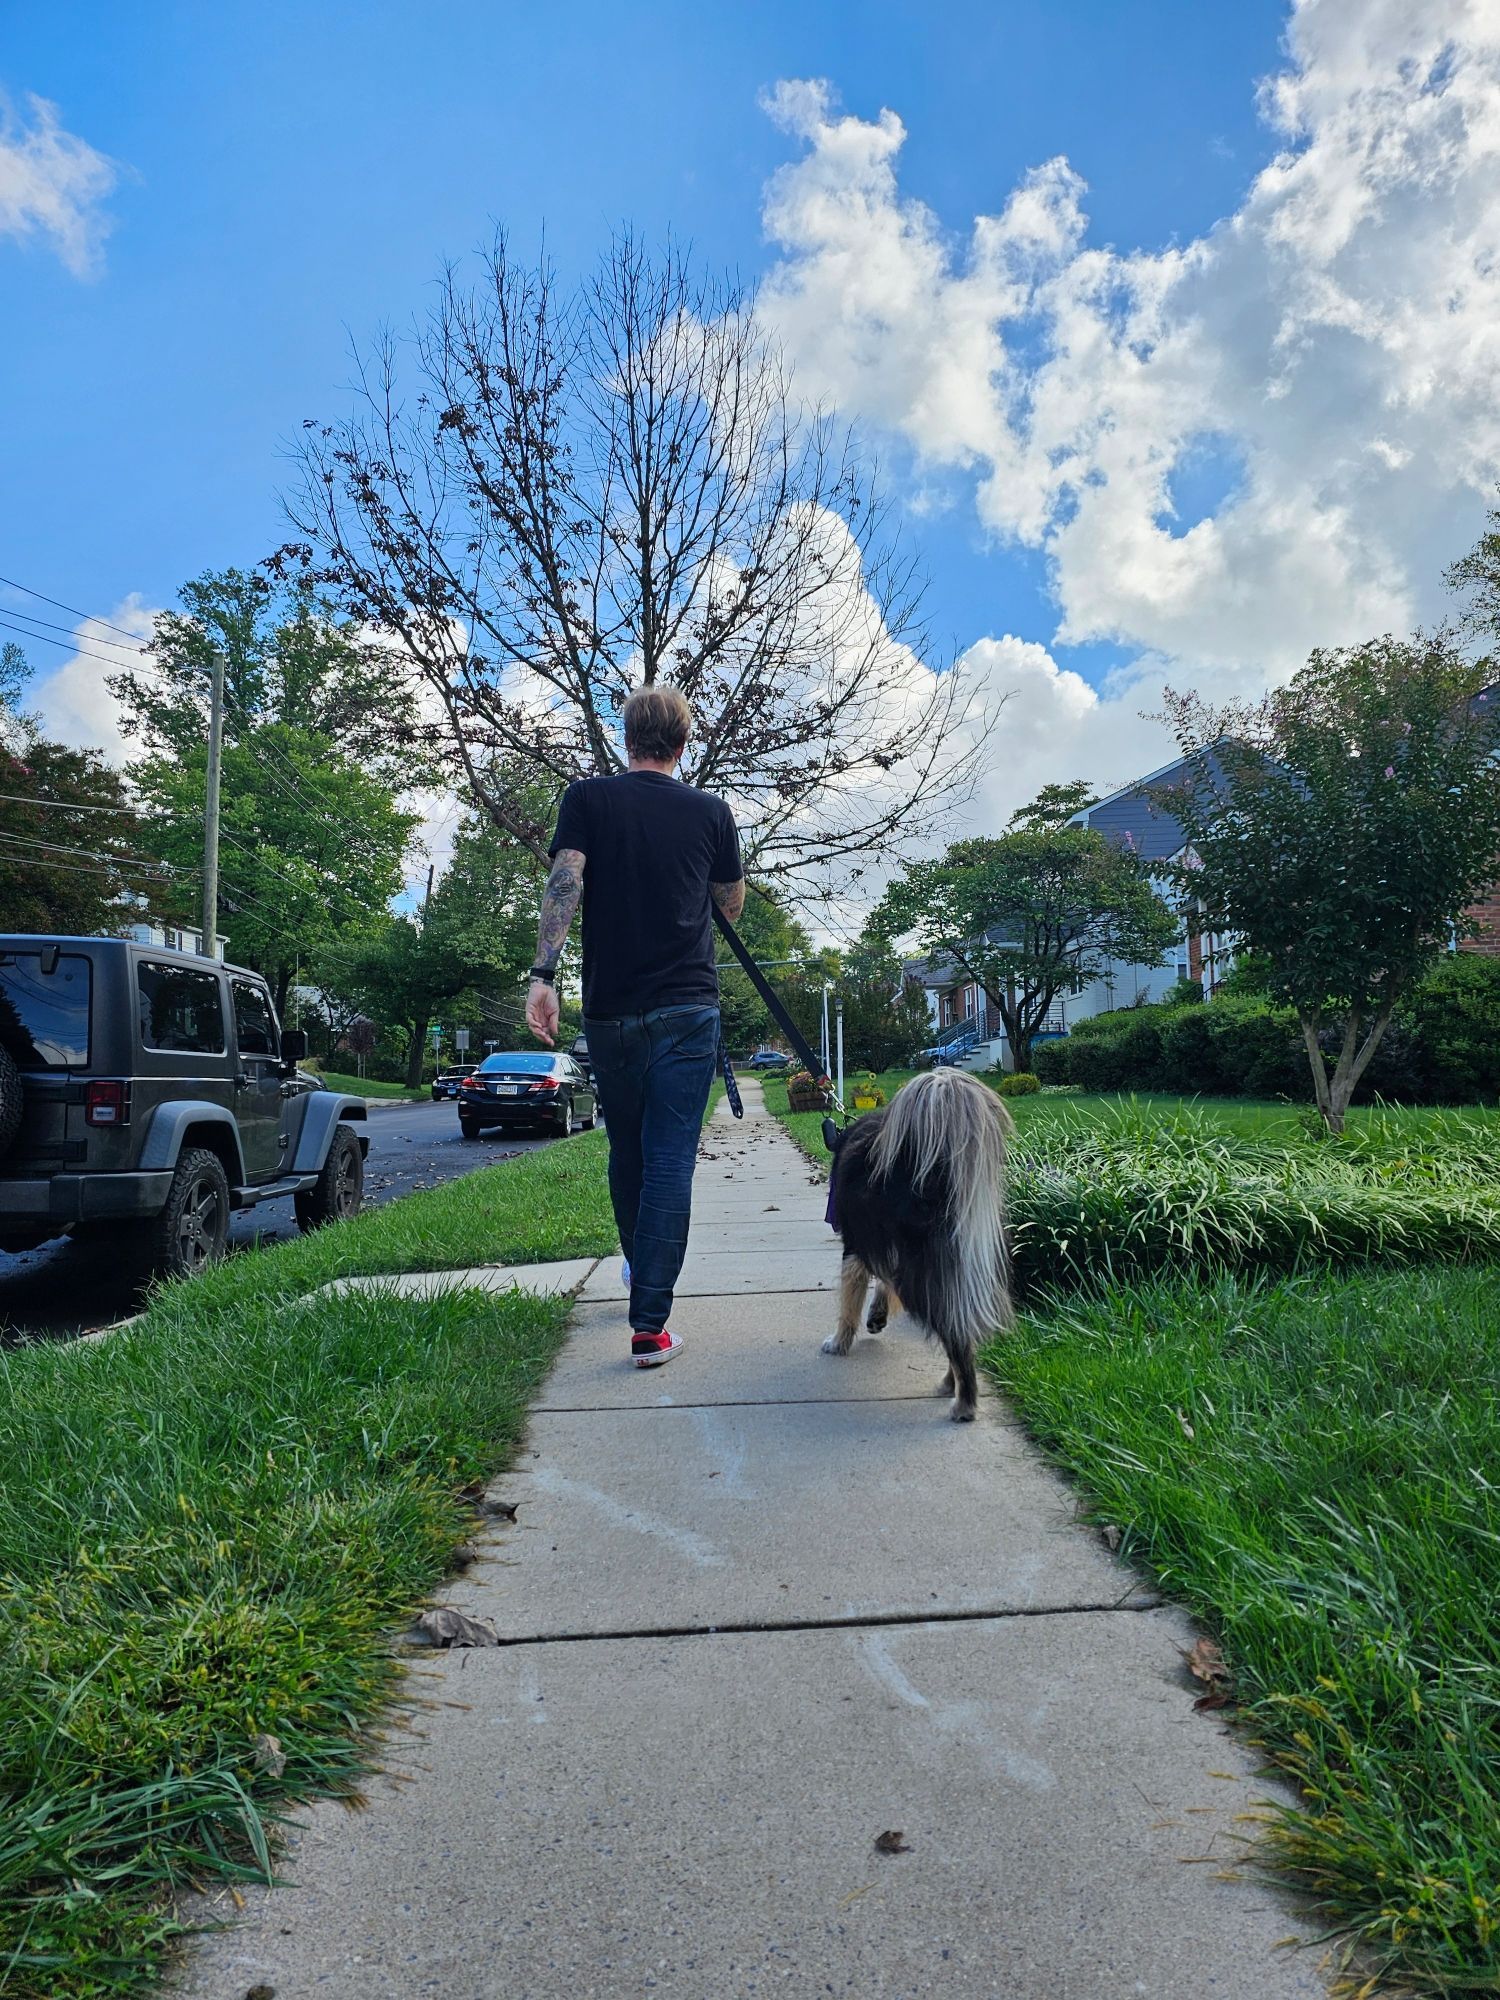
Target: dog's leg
854,1280
962,1378
881,1300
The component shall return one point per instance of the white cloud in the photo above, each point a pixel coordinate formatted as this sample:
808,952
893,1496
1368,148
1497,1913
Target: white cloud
53,184
1334,344
72,700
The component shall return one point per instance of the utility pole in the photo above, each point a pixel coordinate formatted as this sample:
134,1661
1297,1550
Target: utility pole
211,808
427,899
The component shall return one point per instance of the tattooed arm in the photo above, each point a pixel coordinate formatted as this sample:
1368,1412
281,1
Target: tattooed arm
730,896
559,901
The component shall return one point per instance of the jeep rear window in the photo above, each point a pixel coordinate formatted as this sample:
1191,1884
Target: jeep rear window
44,1015
181,1010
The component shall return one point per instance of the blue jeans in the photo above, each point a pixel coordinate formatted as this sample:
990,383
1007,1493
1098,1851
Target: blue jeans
653,1071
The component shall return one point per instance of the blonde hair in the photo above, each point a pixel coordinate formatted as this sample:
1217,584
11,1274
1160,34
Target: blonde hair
657,722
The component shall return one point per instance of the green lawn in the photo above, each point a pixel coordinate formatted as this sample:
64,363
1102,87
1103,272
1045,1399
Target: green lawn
369,1086
209,1524
1310,1465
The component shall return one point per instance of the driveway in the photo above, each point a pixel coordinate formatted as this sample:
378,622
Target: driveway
66,1288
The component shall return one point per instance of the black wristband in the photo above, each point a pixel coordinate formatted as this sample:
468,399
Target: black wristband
541,972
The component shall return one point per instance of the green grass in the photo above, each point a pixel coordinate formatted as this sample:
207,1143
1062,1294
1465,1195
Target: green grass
210,1523
1310,1465
369,1086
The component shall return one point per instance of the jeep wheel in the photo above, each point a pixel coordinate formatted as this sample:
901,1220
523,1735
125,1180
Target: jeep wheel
12,1101
193,1228
340,1187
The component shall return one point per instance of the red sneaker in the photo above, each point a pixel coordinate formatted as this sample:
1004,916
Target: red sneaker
650,1350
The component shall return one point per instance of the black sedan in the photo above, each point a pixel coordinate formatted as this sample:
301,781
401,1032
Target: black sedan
526,1089
446,1082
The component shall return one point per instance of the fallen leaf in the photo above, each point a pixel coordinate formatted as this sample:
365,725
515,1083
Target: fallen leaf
464,1554
855,1894
892,1841
499,1510
443,1626
1206,1663
261,1993
268,1755
1219,1699
1187,1429
1111,1536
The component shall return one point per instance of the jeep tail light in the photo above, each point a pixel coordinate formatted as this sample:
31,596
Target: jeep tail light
104,1102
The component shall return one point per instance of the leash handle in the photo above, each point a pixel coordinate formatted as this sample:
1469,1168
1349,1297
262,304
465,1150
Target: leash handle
731,1088
778,1012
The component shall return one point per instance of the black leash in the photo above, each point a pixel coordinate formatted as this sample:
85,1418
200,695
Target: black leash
812,1063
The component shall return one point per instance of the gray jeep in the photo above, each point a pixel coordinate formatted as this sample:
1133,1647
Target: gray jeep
146,1093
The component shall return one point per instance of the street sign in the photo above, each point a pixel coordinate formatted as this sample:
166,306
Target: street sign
461,1041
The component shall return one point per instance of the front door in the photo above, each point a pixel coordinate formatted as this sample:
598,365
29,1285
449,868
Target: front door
260,1106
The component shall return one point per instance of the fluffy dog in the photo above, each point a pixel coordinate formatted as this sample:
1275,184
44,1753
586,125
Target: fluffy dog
918,1199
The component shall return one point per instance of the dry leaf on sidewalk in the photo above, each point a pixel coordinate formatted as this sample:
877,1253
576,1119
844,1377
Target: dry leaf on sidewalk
444,1626
1206,1663
1111,1535
499,1510
893,1841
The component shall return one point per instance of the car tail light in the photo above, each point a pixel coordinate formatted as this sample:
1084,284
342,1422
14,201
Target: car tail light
105,1102
471,1083
544,1089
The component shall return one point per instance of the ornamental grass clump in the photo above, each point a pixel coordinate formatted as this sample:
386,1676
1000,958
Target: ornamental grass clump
1137,1193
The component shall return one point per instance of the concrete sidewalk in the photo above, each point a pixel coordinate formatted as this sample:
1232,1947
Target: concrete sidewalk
757,1611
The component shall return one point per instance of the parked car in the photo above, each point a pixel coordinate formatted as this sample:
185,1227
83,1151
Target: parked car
446,1082
769,1059
526,1088
146,1094
580,1055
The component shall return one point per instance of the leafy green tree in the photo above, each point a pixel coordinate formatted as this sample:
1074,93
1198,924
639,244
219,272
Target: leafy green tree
466,953
72,848
1042,910
1342,827
319,741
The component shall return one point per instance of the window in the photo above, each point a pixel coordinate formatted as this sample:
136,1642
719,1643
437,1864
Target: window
180,1010
44,1008
254,1027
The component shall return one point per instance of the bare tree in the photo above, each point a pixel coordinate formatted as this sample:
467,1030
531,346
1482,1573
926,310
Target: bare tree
590,492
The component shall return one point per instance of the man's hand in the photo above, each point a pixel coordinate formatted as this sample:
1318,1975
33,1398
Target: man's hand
541,1012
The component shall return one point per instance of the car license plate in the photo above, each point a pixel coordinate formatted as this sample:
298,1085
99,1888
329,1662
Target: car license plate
505,1090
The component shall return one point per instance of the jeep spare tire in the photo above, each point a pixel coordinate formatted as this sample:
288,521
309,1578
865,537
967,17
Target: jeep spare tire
192,1229
340,1188
12,1101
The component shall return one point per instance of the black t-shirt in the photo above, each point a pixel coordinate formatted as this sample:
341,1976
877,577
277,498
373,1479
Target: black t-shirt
651,846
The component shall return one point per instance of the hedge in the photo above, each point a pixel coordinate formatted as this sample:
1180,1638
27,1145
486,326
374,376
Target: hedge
1442,1048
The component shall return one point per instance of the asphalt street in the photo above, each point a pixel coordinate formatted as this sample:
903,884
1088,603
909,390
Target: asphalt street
66,1288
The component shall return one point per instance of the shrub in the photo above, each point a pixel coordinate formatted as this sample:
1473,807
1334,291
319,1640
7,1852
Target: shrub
1455,1016
1020,1083
1050,1061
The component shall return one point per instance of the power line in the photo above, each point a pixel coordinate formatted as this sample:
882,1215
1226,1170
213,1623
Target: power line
58,605
51,625
89,854
64,805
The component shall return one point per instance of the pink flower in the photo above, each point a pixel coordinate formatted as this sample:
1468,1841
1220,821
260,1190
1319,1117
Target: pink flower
1390,770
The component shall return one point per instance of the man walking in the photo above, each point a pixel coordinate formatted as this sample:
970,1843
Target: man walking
646,853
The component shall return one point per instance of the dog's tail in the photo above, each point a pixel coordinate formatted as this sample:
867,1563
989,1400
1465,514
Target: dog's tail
948,1121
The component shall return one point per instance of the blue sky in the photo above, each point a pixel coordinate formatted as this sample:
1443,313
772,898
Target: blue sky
1176,325
291,174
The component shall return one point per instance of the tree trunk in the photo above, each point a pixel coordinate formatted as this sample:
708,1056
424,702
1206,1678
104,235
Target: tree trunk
1335,1092
415,1054
1020,1050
